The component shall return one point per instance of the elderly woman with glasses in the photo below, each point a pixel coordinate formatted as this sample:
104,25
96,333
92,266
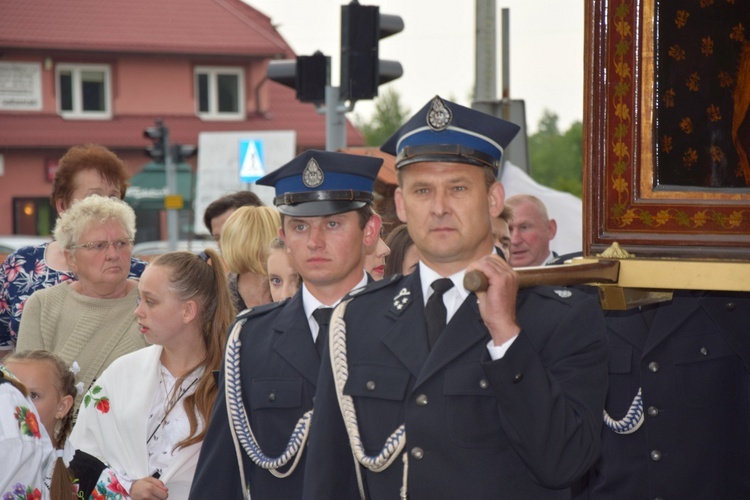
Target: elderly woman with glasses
83,171
90,320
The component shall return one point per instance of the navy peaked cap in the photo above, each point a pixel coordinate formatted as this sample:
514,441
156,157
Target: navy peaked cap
318,183
446,131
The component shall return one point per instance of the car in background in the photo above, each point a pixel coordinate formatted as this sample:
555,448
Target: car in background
146,250
9,243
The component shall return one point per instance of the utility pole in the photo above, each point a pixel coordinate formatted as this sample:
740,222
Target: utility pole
485,86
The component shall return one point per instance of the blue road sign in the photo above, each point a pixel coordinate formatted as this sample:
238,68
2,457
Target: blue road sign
252,160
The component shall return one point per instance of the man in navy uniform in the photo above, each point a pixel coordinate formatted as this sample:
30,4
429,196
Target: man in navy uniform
262,413
447,393
678,404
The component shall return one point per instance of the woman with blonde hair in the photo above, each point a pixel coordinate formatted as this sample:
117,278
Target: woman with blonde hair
245,239
147,414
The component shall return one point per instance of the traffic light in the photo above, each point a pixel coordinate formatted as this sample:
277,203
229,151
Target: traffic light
309,75
158,134
313,75
181,152
362,27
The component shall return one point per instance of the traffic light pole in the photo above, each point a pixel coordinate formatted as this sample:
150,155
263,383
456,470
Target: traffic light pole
170,170
335,120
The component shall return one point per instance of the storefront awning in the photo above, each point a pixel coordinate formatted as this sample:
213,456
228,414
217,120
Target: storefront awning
148,187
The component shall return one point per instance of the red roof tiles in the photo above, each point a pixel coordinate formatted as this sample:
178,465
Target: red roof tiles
226,27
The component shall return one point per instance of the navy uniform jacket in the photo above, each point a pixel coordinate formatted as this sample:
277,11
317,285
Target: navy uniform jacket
524,426
279,368
693,365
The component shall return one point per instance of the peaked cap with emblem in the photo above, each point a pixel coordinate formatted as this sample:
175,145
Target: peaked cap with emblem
318,183
446,131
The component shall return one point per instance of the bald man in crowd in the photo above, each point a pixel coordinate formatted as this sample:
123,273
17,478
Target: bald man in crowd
531,230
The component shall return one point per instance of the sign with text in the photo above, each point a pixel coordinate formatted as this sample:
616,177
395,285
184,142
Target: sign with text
20,86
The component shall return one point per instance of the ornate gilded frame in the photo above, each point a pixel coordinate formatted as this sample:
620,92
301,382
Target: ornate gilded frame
619,131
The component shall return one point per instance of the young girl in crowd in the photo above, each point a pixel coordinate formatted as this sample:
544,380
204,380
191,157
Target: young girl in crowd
52,388
27,451
146,416
283,278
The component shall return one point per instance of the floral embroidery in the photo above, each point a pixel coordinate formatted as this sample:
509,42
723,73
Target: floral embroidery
109,489
27,422
22,492
101,403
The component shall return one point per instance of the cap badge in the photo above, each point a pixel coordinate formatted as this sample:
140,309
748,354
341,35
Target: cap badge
439,116
312,176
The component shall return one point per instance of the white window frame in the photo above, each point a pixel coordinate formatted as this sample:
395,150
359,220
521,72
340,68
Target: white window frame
213,96
78,112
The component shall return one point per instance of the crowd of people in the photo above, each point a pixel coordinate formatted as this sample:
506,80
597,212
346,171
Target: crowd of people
324,353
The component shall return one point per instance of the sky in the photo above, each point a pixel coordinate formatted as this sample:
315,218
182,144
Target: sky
437,49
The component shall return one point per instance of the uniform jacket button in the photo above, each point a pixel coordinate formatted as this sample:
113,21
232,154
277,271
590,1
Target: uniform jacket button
370,385
422,400
731,306
653,366
417,453
517,378
653,411
704,350
655,455
483,383
272,397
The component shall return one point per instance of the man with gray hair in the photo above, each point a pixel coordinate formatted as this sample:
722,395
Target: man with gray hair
531,230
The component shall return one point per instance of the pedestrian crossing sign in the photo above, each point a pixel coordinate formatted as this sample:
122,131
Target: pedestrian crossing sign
252,164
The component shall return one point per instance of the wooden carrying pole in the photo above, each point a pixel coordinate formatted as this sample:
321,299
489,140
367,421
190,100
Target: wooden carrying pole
602,271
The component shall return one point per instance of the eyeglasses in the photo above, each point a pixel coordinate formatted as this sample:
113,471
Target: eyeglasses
103,246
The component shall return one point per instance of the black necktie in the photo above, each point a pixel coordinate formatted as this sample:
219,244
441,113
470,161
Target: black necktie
323,317
435,312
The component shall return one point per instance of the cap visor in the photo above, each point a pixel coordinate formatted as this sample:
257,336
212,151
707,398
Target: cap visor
320,208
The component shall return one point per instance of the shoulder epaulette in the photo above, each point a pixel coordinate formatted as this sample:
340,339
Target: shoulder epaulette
259,310
373,286
559,293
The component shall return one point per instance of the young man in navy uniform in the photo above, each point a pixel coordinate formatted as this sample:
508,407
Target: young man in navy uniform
262,413
503,401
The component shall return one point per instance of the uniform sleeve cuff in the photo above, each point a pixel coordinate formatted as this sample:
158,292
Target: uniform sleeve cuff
498,351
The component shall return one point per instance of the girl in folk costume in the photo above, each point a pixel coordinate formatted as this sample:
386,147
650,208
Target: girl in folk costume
27,451
146,416
52,388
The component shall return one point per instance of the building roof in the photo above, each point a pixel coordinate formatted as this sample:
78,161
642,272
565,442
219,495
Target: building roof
35,130
208,27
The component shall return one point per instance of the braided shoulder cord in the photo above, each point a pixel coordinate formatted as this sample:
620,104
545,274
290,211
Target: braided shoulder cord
235,441
632,420
340,366
240,424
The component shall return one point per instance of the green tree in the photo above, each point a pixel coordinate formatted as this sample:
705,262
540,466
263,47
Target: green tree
556,159
389,115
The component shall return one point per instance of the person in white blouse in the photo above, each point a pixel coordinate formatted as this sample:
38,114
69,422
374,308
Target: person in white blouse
146,416
27,451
